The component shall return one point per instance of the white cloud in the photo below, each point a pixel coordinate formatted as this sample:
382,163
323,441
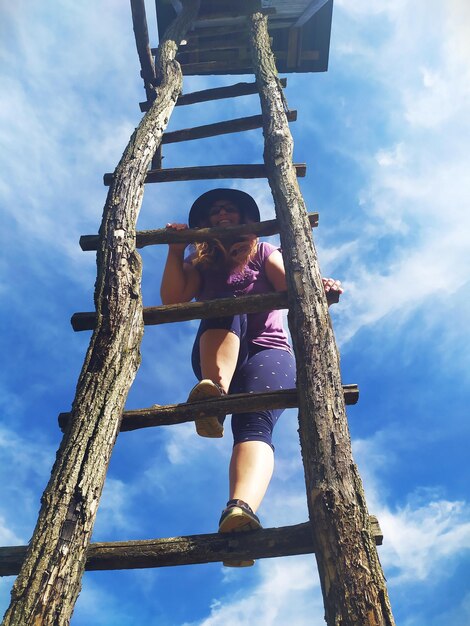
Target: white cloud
7,536
58,135
96,605
28,456
419,541
424,538
115,512
424,535
287,592
412,243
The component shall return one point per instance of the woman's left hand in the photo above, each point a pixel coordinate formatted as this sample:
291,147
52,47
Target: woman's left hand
332,287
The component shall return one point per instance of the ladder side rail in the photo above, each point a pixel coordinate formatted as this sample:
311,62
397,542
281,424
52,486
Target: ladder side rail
48,584
139,23
352,581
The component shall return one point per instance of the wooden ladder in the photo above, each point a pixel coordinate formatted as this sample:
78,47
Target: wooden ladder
69,502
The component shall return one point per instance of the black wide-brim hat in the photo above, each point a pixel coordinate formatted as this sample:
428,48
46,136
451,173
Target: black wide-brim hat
244,202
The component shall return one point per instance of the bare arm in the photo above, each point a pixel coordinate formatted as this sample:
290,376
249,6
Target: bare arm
180,281
275,271
277,275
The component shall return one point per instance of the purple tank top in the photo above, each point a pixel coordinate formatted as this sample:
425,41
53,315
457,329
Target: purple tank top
264,329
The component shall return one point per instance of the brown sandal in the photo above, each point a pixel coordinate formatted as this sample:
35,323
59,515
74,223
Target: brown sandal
238,517
209,426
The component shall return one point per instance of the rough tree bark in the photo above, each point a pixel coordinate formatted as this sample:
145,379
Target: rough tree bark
352,580
50,578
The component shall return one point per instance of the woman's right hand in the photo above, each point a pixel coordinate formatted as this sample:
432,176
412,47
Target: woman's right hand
177,247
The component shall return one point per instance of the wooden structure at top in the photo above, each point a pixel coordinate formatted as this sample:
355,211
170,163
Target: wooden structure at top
218,41
339,531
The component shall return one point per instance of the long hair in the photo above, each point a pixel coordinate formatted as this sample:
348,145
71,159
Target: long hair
213,253
232,255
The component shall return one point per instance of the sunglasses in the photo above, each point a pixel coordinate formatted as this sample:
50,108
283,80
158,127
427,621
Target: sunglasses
228,208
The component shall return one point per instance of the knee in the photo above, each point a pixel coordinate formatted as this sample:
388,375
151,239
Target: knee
253,427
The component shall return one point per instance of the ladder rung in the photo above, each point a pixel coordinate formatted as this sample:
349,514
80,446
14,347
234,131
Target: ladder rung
170,414
218,93
162,235
219,128
196,310
208,172
190,550
154,315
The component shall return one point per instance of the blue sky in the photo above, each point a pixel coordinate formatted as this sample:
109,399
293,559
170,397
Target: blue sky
385,136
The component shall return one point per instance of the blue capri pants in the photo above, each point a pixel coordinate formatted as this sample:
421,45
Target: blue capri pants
258,370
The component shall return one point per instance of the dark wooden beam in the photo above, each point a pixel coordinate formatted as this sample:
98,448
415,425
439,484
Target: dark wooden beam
218,93
208,172
219,128
213,31
139,22
217,67
191,235
190,550
238,13
167,415
293,48
154,315
195,310
309,12
214,45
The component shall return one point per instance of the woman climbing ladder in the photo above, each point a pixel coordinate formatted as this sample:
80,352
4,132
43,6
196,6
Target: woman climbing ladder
244,353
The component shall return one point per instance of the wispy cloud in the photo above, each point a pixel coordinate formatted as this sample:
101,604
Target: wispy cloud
421,533
409,236
419,541
424,539
287,592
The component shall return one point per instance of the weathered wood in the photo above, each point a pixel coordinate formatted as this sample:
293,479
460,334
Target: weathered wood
216,67
352,581
220,93
238,12
163,235
208,172
212,31
170,414
170,313
219,128
217,93
293,47
157,159
48,584
214,45
313,7
190,550
139,22
375,529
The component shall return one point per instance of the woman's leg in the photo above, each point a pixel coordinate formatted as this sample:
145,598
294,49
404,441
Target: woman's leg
251,469
252,462
218,349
